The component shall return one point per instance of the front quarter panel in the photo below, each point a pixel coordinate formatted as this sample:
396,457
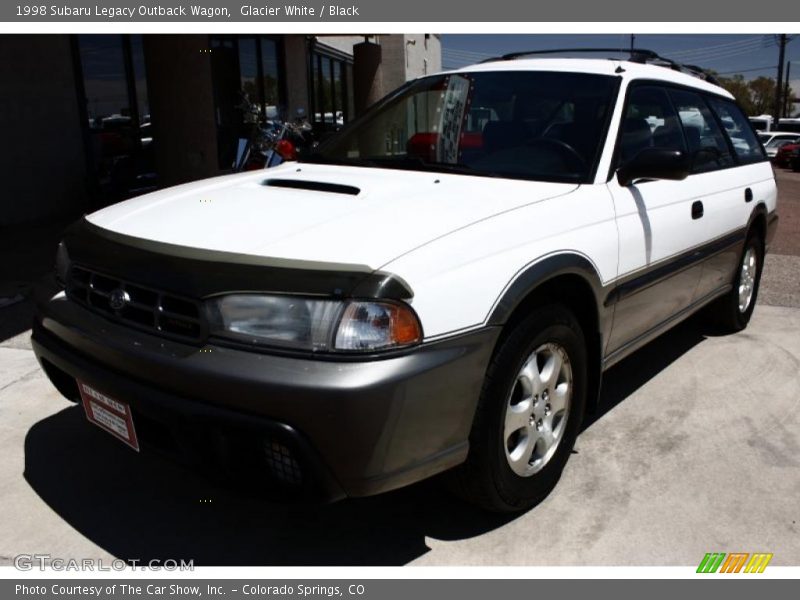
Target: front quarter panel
459,279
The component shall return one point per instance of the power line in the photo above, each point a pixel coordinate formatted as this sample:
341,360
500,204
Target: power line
748,70
719,54
749,40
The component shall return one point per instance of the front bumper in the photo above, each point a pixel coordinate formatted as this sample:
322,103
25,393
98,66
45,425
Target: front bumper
352,428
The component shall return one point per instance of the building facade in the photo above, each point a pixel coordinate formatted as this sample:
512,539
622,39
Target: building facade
93,119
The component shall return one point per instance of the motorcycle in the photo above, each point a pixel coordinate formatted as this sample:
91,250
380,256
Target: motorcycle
273,142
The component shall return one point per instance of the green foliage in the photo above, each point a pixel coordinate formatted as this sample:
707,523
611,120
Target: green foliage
756,96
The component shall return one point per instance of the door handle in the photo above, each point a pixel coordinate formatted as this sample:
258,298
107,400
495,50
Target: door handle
697,209
748,195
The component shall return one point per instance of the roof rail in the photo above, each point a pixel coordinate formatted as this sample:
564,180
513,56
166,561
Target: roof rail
637,55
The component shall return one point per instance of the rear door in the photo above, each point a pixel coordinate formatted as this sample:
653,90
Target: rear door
739,183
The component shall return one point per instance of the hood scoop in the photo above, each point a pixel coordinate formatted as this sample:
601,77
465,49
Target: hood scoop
314,186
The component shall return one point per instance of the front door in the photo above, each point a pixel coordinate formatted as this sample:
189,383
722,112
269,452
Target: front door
660,225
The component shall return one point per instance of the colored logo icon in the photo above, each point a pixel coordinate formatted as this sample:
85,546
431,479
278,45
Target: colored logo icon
735,562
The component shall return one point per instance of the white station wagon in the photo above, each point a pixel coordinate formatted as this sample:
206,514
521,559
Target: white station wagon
439,287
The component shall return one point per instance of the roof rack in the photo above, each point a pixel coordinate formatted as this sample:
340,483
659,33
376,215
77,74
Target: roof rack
637,55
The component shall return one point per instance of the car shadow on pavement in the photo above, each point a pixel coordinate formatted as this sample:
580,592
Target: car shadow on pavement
627,376
142,507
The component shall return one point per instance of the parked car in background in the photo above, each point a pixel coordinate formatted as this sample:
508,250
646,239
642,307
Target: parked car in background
789,124
768,136
776,140
794,159
761,123
438,287
784,155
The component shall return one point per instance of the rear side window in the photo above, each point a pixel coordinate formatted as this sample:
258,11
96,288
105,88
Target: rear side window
707,145
739,131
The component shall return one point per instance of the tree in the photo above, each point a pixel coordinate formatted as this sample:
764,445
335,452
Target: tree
762,91
740,89
756,97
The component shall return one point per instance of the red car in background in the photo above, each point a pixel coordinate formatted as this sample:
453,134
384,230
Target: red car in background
785,153
794,158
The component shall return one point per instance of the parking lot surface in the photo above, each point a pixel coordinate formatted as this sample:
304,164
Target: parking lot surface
695,449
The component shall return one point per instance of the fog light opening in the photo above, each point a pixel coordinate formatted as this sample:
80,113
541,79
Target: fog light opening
282,464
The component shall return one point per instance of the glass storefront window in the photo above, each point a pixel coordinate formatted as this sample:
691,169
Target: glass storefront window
350,103
338,101
118,115
333,91
248,73
244,66
104,80
271,77
327,91
140,79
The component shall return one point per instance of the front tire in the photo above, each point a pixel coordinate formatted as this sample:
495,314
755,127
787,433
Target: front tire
529,413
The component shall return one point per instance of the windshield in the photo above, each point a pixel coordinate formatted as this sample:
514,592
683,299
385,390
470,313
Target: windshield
529,125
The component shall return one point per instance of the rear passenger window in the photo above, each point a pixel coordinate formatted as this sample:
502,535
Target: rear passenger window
650,122
739,131
706,143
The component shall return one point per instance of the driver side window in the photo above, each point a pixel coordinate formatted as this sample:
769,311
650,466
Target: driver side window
707,145
650,121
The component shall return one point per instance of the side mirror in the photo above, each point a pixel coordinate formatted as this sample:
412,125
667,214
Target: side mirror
655,163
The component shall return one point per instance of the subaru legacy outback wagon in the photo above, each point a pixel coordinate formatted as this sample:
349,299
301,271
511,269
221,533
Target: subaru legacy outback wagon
438,287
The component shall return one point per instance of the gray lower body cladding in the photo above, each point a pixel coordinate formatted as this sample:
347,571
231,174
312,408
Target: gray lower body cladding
361,427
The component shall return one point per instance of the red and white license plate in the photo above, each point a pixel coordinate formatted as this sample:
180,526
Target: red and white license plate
109,414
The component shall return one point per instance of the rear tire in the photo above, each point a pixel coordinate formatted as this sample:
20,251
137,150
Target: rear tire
733,311
529,413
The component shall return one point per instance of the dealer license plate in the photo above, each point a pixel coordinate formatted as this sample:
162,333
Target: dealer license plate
109,414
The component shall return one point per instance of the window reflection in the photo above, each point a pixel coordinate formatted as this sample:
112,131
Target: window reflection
333,91
118,112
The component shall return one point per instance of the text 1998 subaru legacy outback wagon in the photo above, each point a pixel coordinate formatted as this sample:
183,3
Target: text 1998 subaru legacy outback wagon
439,286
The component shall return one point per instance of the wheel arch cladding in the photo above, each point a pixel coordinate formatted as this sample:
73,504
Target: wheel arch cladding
567,279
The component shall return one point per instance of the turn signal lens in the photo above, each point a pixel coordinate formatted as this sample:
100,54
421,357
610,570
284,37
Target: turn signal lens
369,326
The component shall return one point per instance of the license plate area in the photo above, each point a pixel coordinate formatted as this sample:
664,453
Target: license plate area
109,414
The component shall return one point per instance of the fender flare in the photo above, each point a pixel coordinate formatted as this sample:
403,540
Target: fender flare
532,276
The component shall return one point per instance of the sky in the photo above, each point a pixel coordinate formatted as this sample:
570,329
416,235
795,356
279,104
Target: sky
750,55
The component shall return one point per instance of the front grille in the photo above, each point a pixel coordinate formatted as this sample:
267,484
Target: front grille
141,307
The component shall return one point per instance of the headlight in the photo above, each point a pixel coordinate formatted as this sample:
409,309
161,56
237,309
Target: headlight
315,325
62,264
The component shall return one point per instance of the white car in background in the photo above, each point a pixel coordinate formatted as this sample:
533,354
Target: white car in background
774,140
424,291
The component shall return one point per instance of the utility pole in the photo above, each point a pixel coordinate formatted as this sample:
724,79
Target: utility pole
633,41
786,100
779,85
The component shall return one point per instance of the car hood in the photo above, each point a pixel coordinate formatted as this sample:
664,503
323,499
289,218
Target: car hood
330,213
